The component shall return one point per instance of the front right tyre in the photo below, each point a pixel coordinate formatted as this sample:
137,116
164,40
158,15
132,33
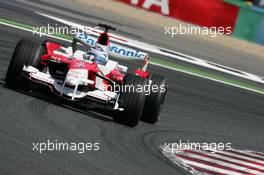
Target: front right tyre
26,53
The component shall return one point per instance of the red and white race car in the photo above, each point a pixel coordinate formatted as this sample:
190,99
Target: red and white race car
77,75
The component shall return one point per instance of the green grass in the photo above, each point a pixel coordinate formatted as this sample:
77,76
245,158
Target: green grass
206,74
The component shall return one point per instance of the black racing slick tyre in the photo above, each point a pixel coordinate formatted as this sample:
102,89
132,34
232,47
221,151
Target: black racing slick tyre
26,53
155,100
131,101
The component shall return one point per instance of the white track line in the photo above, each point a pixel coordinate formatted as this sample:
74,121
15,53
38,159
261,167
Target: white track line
29,30
209,78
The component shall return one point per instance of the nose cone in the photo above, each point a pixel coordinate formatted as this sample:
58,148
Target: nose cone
76,77
72,82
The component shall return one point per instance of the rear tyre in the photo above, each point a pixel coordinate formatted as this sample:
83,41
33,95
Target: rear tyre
26,53
131,101
155,100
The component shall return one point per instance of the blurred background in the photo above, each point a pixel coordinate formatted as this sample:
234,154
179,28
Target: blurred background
245,17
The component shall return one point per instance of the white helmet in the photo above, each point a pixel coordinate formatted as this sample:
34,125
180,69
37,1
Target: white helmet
97,55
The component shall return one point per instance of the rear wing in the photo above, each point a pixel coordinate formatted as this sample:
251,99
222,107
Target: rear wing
115,50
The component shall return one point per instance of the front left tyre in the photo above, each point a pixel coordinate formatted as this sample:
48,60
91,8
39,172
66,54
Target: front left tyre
26,53
155,100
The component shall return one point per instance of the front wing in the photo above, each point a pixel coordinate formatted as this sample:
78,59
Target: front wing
59,88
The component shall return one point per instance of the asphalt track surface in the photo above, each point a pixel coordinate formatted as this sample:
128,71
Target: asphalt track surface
196,109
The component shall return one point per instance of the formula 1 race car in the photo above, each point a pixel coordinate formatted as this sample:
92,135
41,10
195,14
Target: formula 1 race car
89,75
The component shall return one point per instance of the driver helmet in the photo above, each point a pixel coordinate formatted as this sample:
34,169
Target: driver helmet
95,55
